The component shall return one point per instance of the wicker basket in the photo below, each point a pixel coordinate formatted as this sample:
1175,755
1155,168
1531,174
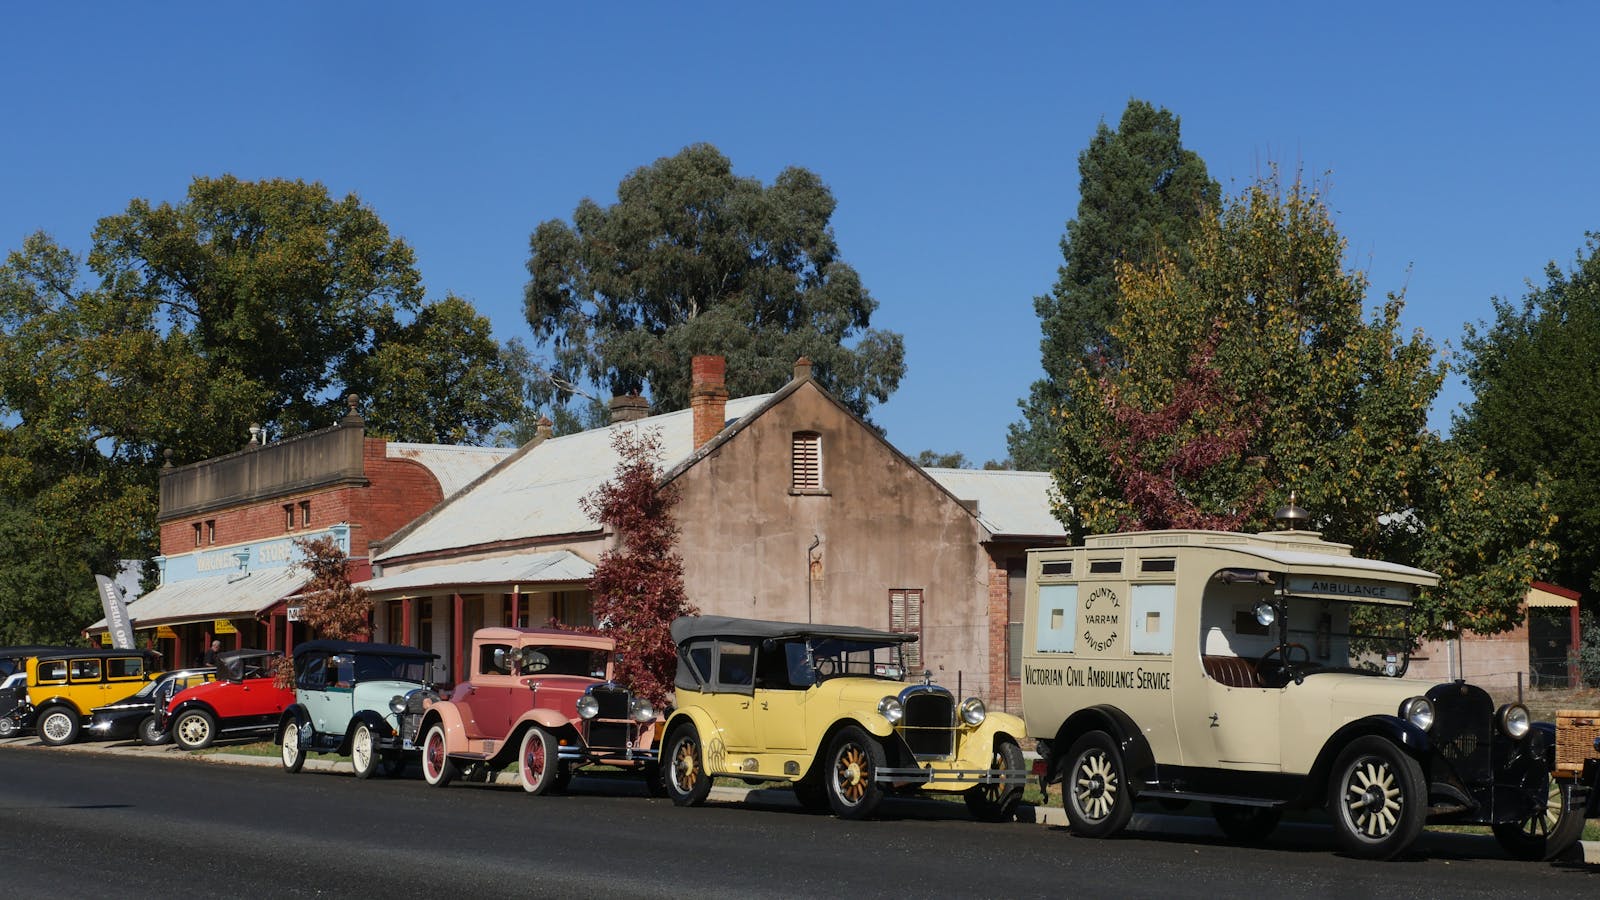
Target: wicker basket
1576,730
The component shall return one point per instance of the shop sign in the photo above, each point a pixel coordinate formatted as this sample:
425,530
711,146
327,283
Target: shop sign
294,613
163,631
223,626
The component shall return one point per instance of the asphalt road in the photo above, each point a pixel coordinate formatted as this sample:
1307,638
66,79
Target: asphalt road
74,823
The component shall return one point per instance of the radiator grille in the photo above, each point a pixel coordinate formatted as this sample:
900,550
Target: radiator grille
929,723
1463,729
613,702
604,735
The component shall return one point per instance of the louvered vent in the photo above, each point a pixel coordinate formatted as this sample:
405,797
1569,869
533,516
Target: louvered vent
806,462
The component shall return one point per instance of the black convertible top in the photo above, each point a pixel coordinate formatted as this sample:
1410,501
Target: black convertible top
360,648
230,665
688,627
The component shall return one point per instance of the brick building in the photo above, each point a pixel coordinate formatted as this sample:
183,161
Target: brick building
790,508
228,528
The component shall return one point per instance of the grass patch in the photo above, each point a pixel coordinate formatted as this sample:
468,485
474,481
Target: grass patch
255,748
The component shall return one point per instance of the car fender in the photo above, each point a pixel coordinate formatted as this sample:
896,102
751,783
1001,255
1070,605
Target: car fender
370,718
706,727
1394,729
1547,731
977,742
1137,758
39,709
185,706
446,713
548,719
293,713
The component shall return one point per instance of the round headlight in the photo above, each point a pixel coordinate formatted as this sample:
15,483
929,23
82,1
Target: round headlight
588,706
397,704
1514,720
890,708
641,709
973,711
1418,711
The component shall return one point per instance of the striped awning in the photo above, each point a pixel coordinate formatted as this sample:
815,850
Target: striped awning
1550,596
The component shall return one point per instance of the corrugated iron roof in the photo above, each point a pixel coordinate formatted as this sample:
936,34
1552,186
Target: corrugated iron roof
556,565
1009,503
536,493
214,597
455,467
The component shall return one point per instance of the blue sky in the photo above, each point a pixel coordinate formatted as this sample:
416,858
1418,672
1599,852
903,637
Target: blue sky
1457,142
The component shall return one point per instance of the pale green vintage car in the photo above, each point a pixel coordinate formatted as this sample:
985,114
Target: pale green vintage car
358,699
829,710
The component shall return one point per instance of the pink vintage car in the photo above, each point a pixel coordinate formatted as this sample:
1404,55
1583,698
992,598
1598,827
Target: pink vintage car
544,699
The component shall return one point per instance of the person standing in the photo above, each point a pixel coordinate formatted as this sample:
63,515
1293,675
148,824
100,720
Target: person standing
211,655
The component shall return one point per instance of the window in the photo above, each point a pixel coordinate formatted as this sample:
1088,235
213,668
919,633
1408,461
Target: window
54,670
86,670
1153,607
313,675
197,534
1058,618
905,617
126,667
494,659
288,517
211,531
736,671
805,463
305,513
1016,593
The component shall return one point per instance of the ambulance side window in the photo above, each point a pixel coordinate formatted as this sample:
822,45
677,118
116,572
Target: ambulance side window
1151,628
1057,622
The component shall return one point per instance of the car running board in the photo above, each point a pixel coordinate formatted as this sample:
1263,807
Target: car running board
1212,798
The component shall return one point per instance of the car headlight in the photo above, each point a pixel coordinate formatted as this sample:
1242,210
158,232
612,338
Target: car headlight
1514,720
588,706
1418,711
397,704
640,709
973,712
890,708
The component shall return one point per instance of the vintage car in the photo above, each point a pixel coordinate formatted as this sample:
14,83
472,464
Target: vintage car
827,709
242,701
139,715
358,699
64,685
14,708
542,698
1260,673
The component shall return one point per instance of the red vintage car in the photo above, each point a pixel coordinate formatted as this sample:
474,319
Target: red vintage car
542,699
243,701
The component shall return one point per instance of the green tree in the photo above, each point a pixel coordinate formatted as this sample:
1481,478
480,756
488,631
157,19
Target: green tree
693,259
1250,367
440,378
934,459
1140,194
1535,412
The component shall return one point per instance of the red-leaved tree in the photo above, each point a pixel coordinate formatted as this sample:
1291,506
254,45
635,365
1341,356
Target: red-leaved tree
638,586
332,605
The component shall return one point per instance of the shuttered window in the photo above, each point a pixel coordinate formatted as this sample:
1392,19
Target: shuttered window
905,617
805,463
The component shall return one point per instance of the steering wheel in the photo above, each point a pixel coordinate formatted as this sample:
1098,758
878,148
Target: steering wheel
827,667
1286,660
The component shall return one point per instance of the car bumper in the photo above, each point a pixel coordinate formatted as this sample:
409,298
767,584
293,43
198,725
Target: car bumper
934,778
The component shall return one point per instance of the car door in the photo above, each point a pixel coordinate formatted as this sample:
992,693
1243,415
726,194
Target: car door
313,693
729,699
783,677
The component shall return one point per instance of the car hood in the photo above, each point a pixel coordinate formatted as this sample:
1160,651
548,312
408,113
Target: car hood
1352,696
864,691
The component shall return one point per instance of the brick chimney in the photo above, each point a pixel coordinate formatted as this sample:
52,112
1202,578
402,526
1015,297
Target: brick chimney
543,430
708,397
802,369
628,408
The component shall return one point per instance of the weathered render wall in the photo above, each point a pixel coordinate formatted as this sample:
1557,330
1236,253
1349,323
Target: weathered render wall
882,526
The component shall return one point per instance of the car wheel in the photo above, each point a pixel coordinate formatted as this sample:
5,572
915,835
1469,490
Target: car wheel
292,754
194,730
437,769
851,778
1245,824
998,802
538,762
1095,793
1377,799
8,726
150,732
688,783
58,726
364,751
1548,833
809,792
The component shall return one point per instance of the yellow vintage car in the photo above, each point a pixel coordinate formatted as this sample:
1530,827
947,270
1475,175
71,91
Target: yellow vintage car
64,686
829,710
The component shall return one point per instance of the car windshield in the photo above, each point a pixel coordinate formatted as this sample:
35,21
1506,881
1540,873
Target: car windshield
1348,636
372,667
574,661
832,657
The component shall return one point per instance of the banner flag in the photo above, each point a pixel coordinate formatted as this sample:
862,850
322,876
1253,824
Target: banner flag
118,625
